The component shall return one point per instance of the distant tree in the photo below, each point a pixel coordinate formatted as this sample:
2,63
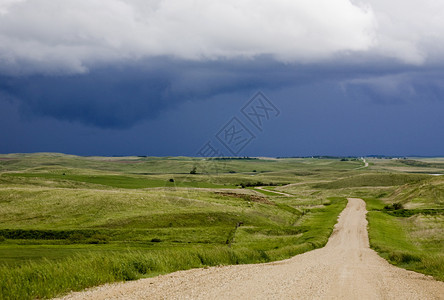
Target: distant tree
193,171
397,206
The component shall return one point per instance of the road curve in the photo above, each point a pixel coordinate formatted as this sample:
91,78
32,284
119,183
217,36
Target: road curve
365,164
273,191
346,268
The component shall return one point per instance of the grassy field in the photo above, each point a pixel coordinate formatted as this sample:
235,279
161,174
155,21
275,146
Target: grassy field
413,235
69,222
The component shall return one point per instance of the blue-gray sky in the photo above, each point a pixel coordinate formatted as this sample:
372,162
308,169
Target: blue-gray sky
163,77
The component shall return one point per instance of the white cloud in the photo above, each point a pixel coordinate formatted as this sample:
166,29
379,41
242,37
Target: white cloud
70,35
5,5
73,35
410,30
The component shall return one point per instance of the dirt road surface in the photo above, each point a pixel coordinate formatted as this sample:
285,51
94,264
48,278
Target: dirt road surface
364,166
346,268
272,191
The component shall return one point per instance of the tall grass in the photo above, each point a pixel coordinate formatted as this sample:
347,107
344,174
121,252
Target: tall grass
391,238
44,279
51,278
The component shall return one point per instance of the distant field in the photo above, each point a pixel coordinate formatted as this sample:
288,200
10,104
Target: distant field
121,218
116,181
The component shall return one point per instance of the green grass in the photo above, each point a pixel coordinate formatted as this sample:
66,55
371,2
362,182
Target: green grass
424,194
403,243
117,181
46,278
371,180
121,218
411,237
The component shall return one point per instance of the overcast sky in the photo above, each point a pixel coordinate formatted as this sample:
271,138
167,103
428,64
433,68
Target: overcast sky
165,77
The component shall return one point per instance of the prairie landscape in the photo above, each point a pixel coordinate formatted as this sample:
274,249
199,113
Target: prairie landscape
255,149
70,222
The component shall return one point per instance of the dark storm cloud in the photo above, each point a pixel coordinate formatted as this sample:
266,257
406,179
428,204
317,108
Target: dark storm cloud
161,76
115,63
398,88
102,98
122,96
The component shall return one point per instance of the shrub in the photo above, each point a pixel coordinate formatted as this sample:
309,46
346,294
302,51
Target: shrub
98,239
394,206
76,238
397,206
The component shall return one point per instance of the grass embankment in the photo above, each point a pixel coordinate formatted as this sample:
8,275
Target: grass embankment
372,180
414,242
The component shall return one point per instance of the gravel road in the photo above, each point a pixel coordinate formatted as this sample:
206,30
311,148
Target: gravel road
346,268
273,191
